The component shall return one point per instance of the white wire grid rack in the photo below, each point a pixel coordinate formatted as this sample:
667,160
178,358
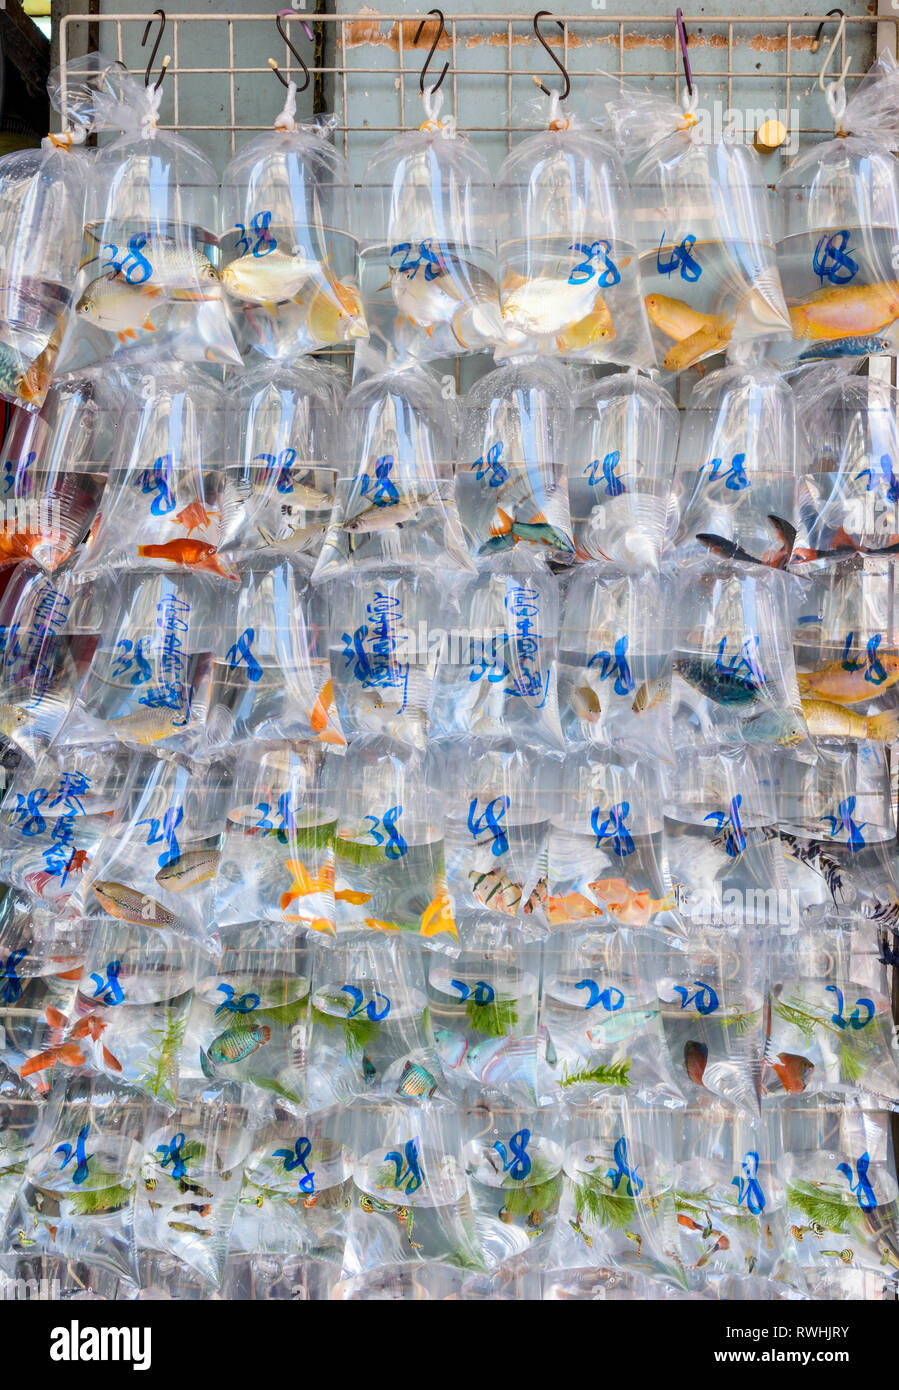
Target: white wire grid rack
367,66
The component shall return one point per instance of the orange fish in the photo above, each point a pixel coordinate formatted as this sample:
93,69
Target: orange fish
304,884
438,915
848,687
318,716
630,906
112,1062
55,1018
90,1026
193,516
572,907
67,1053
688,1222
198,555
793,1071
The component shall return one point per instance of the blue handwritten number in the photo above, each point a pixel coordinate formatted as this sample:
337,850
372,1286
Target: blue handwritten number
82,1159
371,1009
243,651
831,259
596,996
855,1019
408,1175
490,818
705,998
614,828
481,993
861,1187
606,271
243,1004
622,1170
488,466
297,1159
516,1162
394,846
172,1152
109,989
12,989
748,1187
681,258
260,224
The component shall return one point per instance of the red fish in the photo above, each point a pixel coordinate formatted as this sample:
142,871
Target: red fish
696,1054
793,1071
91,1026
67,1053
199,555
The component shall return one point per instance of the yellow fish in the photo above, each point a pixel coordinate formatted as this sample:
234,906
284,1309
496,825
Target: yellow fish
376,925
834,683
438,916
834,721
149,725
304,884
335,314
847,311
595,328
696,334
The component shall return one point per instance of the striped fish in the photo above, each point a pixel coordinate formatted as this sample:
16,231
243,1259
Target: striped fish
237,1043
416,1081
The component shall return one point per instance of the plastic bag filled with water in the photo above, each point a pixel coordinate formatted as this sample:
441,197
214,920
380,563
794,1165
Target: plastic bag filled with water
842,1198
384,663
568,268
831,1029
837,829
726,862
277,860
297,1188
149,281
38,1015
621,471
838,206
43,656
390,868
164,503
733,677
42,198
850,491
410,1195
738,468
713,1003
132,1005
190,1180
618,1208
605,857
260,982
615,662
427,242
498,800
846,649
600,1019
270,677
77,1200
394,501
516,430
483,1005
279,490
729,1192
498,676
157,865
513,1162
702,229
370,1029
288,250
53,465
55,814
154,637
20,1111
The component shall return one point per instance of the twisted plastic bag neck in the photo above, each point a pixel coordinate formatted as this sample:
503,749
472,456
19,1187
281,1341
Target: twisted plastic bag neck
287,119
689,101
64,141
432,102
835,96
556,119
150,119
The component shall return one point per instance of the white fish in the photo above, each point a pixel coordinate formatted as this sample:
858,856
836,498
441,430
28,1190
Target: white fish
117,307
376,518
268,280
